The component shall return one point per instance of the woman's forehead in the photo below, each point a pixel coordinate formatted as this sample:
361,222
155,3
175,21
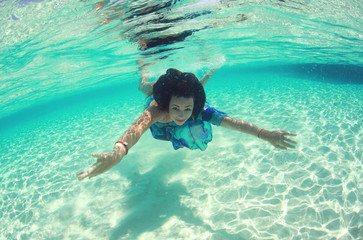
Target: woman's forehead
181,101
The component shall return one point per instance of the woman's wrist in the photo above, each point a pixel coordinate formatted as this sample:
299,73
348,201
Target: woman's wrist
120,149
259,132
262,134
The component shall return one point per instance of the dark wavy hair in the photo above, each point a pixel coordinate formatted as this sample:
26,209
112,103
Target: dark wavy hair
179,84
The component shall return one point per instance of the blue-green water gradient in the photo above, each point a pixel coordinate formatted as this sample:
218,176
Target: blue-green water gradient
69,87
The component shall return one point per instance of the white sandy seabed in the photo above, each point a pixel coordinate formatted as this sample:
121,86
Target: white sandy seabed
239,188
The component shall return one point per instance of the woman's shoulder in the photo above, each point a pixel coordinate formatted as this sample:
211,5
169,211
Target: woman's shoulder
157,114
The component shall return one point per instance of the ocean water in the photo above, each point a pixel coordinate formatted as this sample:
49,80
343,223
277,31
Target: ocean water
69,87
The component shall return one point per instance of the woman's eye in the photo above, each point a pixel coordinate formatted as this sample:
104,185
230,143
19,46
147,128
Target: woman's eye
188,110
176,109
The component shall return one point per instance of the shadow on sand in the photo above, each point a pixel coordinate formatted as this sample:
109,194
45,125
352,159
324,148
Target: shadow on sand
152,200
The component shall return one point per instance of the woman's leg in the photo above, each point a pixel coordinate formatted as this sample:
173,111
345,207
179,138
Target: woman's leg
145,86
218,63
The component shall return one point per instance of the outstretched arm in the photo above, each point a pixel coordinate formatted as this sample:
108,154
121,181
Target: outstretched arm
105,161
276,138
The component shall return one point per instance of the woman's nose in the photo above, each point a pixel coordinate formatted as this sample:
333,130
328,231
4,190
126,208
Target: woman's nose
181,115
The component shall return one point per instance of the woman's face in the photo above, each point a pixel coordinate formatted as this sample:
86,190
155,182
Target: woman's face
180,109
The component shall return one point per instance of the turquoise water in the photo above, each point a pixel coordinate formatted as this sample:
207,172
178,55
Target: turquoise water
69,87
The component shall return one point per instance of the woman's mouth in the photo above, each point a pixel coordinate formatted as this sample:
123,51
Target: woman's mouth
180,121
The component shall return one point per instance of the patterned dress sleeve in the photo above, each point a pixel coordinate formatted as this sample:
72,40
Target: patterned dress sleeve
212,115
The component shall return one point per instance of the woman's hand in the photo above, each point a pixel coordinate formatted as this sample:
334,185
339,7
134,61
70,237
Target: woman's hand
278,138
105,161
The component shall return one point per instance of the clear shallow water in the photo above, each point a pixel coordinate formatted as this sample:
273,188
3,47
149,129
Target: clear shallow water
65,96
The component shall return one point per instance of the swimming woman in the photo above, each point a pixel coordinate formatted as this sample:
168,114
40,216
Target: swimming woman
176,111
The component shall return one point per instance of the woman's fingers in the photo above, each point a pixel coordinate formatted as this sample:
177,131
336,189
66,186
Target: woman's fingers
94,170
285,139
288,133
90,173
280,147
98,171
290,140
287,145
82,175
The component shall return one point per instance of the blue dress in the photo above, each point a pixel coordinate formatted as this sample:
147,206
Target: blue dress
193,134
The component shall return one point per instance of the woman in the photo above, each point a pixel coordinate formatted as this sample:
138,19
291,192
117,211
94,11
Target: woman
176,112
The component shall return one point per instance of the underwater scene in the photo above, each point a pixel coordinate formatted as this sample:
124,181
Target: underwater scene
69,87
